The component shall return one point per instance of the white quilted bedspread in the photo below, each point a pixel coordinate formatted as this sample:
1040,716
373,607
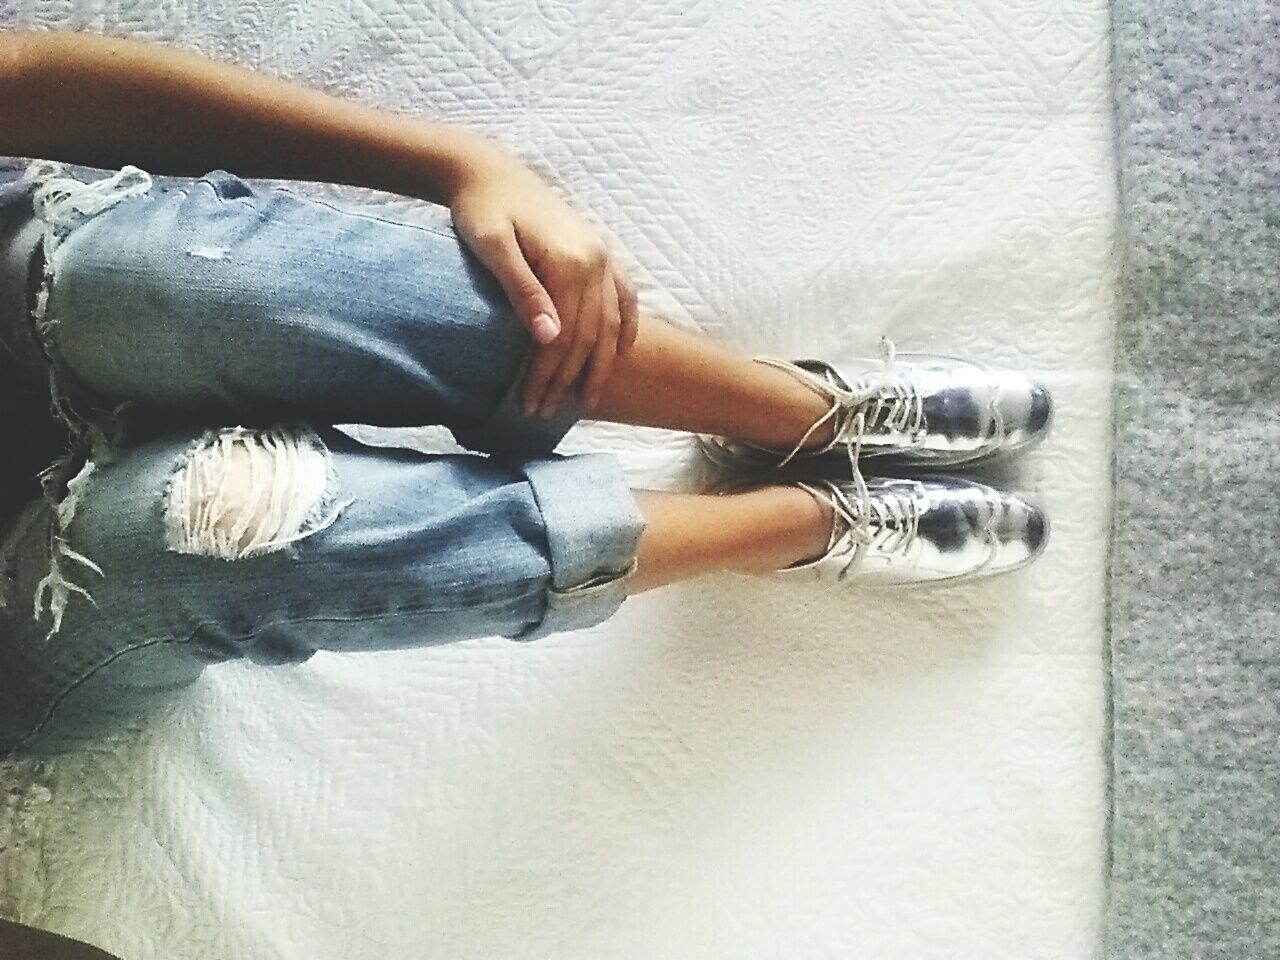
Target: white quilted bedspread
729,768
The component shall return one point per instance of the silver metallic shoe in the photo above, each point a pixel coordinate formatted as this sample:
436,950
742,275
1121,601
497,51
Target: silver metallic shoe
903,532
921,410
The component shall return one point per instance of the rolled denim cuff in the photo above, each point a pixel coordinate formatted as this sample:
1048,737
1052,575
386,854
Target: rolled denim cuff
509,431
593,527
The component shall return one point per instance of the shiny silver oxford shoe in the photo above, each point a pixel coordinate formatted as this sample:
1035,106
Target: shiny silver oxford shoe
920,410
902,532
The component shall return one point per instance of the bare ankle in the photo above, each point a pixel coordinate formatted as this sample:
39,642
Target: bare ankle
806,412
794,526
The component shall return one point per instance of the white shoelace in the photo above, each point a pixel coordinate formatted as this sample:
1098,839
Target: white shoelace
890,397
898,518
895,518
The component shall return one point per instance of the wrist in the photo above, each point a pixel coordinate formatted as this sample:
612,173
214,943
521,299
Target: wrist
472,160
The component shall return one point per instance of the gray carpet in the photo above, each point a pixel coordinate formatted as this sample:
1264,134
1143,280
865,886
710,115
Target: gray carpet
1196,619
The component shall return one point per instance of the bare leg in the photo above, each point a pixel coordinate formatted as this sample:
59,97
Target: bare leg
755,531
681,380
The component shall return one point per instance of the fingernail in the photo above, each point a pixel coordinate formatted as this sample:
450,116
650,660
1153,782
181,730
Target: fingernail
545,327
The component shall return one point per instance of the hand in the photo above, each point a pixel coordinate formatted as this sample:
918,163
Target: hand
558,274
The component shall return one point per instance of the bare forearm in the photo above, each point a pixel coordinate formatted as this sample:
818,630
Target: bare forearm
107,102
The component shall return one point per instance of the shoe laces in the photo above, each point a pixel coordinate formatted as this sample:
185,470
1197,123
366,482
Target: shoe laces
888,522
890,397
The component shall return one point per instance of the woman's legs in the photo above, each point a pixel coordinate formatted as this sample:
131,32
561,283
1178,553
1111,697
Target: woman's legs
216,304
231,302
681,380
214,298
756,531
268,544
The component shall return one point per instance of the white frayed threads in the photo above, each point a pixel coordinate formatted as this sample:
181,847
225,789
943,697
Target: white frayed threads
55,589
210,253
60,202
240,493
59,199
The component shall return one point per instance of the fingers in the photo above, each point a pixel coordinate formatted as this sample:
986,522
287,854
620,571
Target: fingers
500,252
548,357
606,346
598,307
586,326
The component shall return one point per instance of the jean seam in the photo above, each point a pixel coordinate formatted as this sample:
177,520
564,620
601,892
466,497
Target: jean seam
358,617
605,579
61,695
66,691
363,214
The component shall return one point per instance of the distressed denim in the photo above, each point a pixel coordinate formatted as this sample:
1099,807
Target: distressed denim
193,324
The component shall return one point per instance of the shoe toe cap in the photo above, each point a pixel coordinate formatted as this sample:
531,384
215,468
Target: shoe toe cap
975,411
1026,410
1022,533
1041,415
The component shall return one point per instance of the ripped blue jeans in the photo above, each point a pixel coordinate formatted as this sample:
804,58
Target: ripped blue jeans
204,335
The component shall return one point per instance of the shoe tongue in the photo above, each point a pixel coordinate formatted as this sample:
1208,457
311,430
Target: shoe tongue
870,376
824,371
845,378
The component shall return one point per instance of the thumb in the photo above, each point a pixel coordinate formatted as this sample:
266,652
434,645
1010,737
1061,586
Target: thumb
529,298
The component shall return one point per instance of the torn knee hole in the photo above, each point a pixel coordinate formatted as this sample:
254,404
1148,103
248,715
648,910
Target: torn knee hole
240,493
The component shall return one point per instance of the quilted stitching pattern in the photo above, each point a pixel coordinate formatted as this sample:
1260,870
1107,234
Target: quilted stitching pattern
727,768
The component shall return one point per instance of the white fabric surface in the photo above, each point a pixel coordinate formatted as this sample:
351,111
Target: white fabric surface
728,768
